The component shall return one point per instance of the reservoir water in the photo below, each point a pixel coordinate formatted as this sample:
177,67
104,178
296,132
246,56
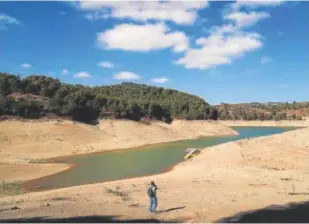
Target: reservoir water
140,161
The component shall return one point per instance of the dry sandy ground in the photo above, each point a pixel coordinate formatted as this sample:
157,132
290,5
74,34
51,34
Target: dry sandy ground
23,172
286,123
221,181
24,142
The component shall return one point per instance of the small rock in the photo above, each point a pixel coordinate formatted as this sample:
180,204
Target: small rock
15,208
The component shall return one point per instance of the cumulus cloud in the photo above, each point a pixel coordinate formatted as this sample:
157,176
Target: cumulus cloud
6,19
224,29
180,12
256,4
25,65
239,21
125,75
105,64
242,19
82,75
219,50
94,16
224,43
142,38
65,71
227,42
266,59
160,80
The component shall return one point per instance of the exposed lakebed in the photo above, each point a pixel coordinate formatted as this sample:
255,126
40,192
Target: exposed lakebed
140,161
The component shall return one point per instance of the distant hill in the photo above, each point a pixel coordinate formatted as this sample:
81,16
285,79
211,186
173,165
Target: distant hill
264,111
38,96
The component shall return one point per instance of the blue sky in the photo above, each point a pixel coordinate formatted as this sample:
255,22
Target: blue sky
237,51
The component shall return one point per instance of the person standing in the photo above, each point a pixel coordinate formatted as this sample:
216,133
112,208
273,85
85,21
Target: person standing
152,193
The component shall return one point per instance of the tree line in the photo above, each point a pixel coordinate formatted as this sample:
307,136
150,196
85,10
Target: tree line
39,96
262,111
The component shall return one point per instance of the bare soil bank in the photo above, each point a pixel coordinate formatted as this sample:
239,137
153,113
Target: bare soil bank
24,142
220,182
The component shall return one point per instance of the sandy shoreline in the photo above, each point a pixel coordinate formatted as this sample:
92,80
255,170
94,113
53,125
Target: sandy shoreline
221,181
30,142
24,151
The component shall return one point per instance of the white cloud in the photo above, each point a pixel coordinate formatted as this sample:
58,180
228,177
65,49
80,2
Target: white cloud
219,50
142,38
255,4
160,80
105,64
227,42
26,65
94,16
125,75
65,71
82,75
242,19
180,12
7,20
224,29
224,43
266,59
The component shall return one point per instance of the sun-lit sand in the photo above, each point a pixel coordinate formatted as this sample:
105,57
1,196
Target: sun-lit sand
24,172
221,181
24,142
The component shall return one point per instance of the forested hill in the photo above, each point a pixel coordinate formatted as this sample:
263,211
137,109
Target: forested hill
38,96
264,111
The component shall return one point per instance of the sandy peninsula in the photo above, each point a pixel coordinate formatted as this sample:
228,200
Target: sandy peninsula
24,144
221,181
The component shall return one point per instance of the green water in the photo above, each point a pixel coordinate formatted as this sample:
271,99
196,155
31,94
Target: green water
147,160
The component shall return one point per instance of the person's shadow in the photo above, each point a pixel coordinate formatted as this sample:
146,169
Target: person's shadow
170,209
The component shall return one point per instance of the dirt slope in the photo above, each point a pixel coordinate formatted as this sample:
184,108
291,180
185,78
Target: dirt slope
25,142
221,181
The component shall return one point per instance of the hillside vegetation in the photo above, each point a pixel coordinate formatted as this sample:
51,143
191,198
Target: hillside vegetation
264,111
38,96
